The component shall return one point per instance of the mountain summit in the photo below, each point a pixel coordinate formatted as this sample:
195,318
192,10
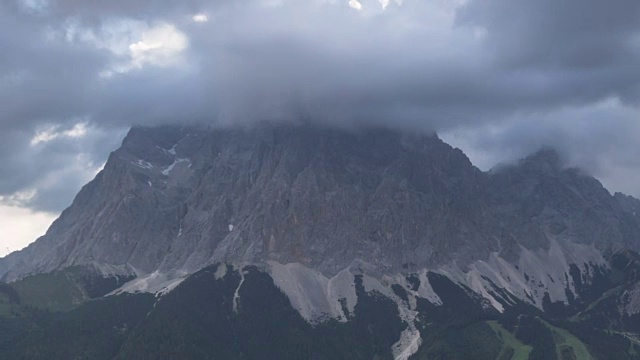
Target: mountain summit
330,216
182,198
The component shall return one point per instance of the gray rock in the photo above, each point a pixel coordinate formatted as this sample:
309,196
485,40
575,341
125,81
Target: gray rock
182,198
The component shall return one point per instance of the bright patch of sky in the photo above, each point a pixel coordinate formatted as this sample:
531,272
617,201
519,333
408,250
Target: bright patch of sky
25,214
36,6
200,18
355,4
53,132
160,45
372,6
20,226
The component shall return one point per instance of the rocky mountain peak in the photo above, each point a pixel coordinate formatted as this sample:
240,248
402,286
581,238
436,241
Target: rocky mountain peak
338,224
180,198
545,160
176,199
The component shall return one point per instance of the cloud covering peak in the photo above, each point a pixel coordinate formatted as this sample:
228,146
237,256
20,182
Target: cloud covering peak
499,78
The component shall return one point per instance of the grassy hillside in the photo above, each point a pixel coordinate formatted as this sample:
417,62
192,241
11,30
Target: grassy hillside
512,348
52,316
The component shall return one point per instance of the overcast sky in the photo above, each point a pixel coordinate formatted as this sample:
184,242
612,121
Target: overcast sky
497,78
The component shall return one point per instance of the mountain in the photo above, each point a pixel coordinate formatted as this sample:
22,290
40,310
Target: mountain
298,241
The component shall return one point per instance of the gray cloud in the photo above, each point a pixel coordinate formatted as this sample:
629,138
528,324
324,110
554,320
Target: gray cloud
600,138
500,77
574,34
45,176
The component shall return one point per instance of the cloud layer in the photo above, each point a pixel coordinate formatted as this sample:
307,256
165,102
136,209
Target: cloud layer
496,77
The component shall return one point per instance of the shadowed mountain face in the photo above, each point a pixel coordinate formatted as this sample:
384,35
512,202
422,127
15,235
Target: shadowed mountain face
556,201
338,221
182,198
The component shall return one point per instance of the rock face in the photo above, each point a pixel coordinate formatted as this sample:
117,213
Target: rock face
375,201
539,198
174,198
363,227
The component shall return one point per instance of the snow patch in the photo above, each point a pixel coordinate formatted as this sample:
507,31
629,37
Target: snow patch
172,150
169,168
143,164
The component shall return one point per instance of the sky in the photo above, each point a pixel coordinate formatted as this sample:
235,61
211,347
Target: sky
497,78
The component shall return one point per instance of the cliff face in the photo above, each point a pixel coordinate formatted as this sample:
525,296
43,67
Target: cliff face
178,199
183,198
368,228
554,201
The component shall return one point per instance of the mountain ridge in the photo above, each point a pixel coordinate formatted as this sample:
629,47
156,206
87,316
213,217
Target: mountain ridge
333,217
310,165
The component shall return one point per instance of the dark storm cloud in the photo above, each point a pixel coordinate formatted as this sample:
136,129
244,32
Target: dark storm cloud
40,78
580,59
571,34
590,47
506,76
